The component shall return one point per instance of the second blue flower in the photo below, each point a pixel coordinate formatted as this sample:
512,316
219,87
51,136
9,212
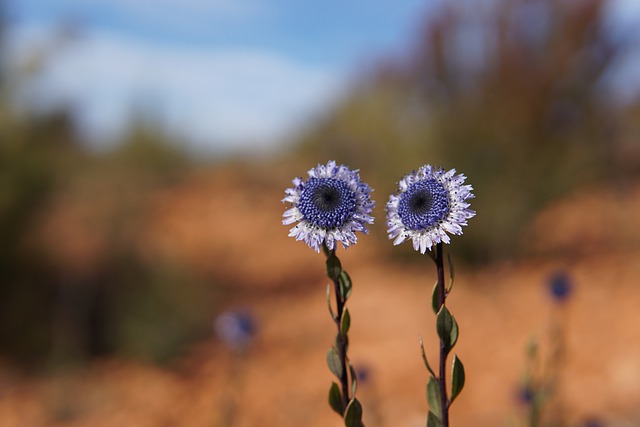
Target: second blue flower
427,205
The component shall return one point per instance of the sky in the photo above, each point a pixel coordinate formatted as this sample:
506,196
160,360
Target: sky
226,74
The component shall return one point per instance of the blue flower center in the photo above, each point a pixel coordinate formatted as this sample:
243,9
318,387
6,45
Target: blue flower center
327,202
423,205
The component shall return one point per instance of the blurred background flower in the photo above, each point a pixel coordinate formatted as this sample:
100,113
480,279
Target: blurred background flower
235,328
560,286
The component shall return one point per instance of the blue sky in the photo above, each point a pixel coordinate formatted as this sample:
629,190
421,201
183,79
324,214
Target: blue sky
228,74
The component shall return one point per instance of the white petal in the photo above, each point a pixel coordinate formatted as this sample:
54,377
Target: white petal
452,228
423,244
401,238
294,231
292,212
288,221
292,198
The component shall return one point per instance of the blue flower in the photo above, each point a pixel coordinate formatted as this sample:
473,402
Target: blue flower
560,286
526,394
329,207
427,205
236,328
363,374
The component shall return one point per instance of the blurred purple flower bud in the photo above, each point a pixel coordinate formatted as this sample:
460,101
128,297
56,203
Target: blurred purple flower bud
593,422
363,374
525,395
235,328
560,286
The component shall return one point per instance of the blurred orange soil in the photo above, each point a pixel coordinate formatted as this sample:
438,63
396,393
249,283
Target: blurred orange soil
282,379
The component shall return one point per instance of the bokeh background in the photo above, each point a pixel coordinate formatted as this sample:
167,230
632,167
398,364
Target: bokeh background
145,276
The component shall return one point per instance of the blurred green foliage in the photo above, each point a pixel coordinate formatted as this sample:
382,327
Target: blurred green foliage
28,163
74,281
511,93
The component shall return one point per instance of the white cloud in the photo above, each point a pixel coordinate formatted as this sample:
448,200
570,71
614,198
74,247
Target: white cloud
624,12
221,99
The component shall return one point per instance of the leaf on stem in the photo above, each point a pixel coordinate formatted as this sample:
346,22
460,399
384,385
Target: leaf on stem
451,273
354,379
334,268
457,378
433,397
333,315
335,399
433,420
435,298
344,281
346,322
325,249
341,339
333,360
353,414
447,328
424,358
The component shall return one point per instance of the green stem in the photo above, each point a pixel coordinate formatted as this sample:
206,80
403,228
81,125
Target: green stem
341,340
442,296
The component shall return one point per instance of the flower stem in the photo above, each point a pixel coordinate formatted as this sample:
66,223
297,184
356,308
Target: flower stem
442,296
341,344
341,340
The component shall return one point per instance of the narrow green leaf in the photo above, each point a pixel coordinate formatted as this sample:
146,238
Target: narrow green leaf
333,315
346,322
457,378
325,249
335,399
433,397
435,298
340,339
454,333
433,420
333,360
354,379
444,325
333,267
424,358
353,414
447,328
451,273
345,285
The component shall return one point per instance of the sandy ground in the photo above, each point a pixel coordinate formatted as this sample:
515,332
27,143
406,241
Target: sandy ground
282,378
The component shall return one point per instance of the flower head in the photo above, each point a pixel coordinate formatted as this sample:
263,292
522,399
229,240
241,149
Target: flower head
427,205
329,207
